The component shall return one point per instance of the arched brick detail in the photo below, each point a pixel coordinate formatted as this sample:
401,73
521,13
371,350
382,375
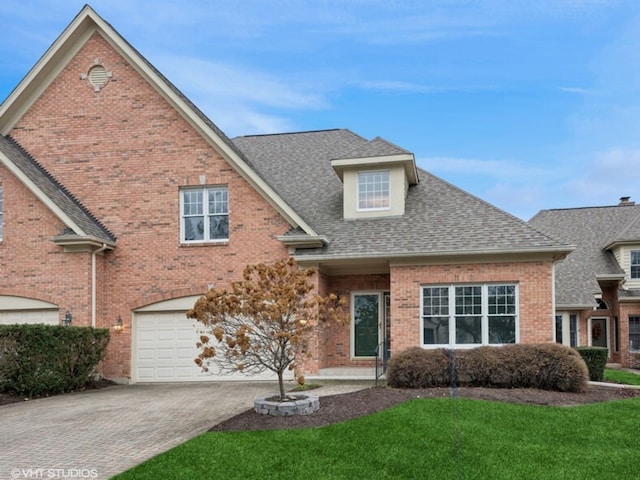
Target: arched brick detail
161,297
23,292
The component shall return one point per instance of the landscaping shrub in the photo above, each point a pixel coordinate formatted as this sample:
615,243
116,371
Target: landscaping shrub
635,360
419,368
37,360
596,360
544,366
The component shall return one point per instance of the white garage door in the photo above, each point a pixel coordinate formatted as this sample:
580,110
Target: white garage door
165,349
26,310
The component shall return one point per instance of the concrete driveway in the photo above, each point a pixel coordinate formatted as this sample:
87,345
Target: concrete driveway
99,433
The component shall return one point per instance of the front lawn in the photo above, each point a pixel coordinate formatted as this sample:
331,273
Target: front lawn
621,376
427,438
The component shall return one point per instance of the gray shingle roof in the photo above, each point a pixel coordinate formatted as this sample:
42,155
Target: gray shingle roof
439,218
591,230
44,181
378,147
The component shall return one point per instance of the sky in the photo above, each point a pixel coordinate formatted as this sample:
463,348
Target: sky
528,105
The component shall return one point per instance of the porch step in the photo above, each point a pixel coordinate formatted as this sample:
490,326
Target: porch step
365,375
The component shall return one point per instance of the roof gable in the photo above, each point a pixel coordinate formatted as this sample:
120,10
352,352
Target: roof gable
83,26
593,230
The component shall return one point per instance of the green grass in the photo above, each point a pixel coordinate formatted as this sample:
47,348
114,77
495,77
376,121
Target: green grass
428,438
621,376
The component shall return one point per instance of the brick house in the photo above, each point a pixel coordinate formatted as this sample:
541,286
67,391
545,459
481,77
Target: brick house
121,203
598,285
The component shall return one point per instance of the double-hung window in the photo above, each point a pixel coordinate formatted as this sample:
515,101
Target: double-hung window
373,190
458,315
205,214
634,333
635,263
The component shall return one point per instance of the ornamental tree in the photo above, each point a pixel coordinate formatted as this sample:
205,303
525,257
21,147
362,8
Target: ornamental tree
263,321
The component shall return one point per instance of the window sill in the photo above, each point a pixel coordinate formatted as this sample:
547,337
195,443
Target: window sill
224,243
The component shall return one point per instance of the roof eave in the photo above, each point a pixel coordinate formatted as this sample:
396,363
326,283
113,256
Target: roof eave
574,306
531,254
303,241
621,243
82,243
407,160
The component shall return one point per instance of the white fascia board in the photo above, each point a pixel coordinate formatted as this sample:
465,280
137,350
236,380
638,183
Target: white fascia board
405,159
62,216
446,257
573,307
45,70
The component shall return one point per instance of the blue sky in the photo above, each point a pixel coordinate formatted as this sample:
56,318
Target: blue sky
528,105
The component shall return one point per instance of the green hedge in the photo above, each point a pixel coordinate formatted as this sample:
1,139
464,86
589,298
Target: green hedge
37,360
544,366
596,360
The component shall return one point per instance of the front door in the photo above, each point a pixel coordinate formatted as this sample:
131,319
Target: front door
599,336
366,324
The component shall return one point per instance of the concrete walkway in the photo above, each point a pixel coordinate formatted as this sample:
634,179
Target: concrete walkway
99,433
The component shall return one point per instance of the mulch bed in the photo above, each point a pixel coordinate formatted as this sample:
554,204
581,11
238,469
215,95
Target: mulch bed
338,408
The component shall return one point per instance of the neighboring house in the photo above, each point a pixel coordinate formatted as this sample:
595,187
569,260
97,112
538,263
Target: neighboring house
121,204
598,285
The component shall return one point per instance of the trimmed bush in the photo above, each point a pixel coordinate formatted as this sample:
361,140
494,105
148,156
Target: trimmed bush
419,368
38,360
596,360
544,366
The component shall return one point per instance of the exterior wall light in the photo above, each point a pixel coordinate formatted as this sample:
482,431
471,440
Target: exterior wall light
66,321
119,324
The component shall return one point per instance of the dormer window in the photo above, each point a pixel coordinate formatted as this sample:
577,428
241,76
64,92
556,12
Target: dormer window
635,264
376,178
373,191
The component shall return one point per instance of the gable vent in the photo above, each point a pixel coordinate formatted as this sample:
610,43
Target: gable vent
98,77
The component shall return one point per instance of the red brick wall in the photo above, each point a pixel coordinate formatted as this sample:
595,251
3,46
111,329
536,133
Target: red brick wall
32,266
124,152
626,359
335,347
535,295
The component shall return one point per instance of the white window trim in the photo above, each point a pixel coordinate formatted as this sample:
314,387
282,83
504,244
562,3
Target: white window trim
375,209
484,316
637,347
566,328
205,214
631,264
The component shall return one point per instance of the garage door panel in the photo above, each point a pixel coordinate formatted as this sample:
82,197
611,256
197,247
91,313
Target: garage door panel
48,317
165,350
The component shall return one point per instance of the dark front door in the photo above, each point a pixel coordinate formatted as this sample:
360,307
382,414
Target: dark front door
599,332
366,324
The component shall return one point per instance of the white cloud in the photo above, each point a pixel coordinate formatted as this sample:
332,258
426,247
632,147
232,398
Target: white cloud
243,84
608,176
493,170
578,90
238,99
